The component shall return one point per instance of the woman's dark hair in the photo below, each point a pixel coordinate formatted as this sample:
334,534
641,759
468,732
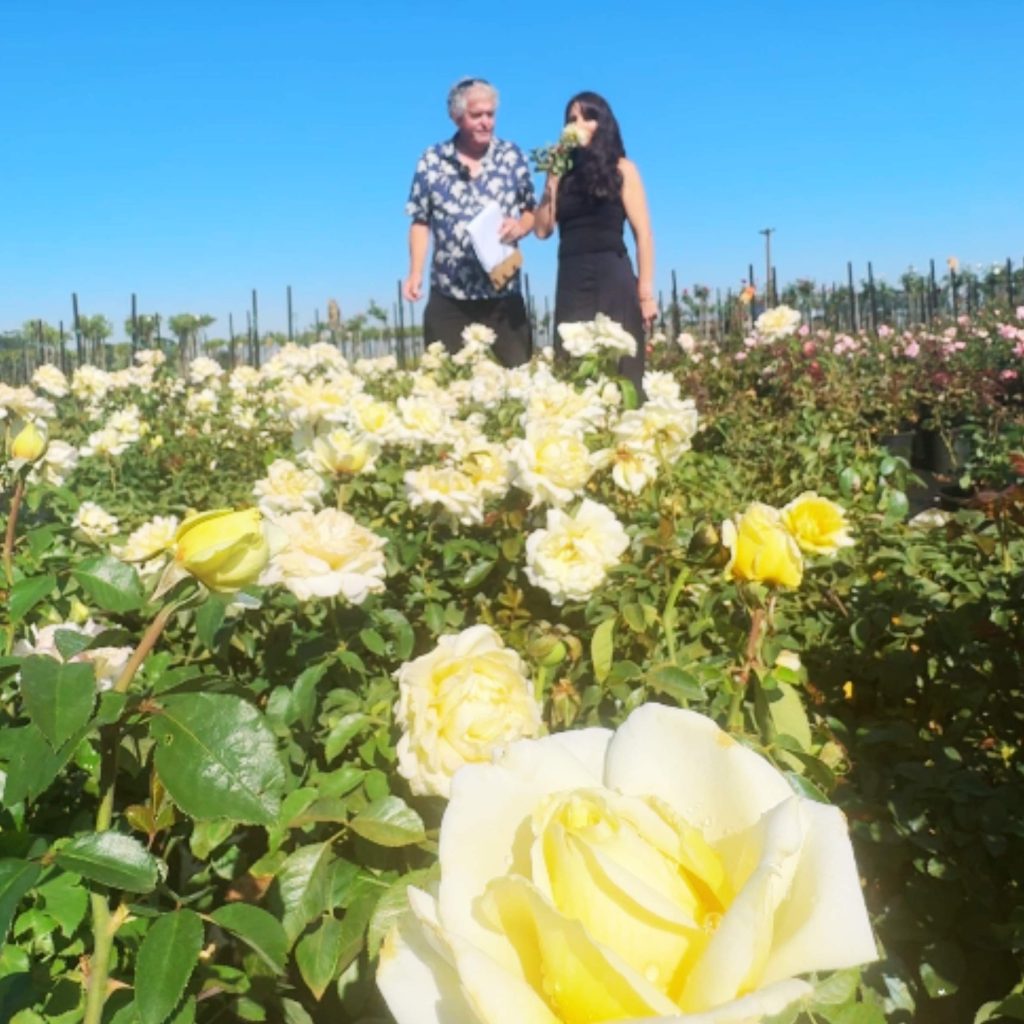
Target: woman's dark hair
595,167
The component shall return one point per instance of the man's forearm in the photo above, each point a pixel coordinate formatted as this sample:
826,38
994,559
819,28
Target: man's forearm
419,243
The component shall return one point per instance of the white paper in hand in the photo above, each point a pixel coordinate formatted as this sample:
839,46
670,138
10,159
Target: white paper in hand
484,230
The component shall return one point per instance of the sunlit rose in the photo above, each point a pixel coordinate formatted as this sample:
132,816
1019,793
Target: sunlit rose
663,872
288,488
761,549
817,525
326,554
458,704
93,523
571,556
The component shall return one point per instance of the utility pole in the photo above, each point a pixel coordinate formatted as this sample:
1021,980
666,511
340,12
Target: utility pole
769,297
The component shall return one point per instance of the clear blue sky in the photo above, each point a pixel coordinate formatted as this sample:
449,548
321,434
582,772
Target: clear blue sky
192,151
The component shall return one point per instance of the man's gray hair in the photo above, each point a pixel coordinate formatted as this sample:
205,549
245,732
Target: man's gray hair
459,93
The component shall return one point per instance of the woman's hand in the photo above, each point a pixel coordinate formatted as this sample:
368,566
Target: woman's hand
648,309
510,231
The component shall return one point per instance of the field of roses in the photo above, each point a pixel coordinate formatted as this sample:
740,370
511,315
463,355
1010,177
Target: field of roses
342,691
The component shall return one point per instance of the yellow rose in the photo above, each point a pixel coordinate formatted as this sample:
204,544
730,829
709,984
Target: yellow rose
817,524
226,550
457,704
761,550
29,444
663,872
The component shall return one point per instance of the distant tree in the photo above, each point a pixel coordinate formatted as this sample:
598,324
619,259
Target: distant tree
186,327
95,330
146,325
43,338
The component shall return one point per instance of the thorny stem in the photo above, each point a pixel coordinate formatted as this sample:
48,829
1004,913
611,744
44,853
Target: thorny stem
760,620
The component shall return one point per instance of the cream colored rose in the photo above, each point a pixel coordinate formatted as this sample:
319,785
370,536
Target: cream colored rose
51,379
817,525
340,453
57,463
448,488
326,554
633,467
552,466
663,425
94,523
458,704
662,872
150,540
287,488
780,322
571,557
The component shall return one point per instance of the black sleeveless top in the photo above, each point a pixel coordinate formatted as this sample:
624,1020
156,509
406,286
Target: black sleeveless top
586,224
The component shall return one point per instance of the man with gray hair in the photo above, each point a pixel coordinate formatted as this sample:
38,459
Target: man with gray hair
453,182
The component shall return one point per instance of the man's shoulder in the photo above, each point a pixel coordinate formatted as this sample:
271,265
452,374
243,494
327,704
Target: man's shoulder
503,147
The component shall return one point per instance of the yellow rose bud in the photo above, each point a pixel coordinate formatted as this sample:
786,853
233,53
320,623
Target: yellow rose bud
29,444
226,550
761,551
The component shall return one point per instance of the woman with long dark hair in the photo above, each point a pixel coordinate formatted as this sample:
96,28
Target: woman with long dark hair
591,204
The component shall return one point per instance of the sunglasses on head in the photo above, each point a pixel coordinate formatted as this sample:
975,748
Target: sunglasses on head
465,83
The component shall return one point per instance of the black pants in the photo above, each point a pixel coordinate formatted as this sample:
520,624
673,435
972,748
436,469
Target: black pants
601,282
446,318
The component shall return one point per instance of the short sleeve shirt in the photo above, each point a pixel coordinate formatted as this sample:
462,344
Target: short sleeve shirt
444,196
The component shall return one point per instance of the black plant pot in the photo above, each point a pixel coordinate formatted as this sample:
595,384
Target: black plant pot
938,452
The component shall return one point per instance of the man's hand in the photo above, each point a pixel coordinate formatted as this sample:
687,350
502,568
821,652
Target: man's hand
412,287
511,230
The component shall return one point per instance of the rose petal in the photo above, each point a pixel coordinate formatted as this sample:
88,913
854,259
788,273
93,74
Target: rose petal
751,1009
486,828
826,889
735,957
700,771
418,982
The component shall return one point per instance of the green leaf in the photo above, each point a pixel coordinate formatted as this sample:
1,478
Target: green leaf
393,905
475,575
110,859
389,821
112,584
218,758
789,715
302,705
165,962
317,955
32,764
66,900
210,617
373,641
347,727
257,929
303,887
676,683
602,648
27,593
16,878
58,697
859,1013
401,632
837,989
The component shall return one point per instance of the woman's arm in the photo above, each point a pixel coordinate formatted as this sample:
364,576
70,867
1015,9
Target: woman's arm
635,202
544,214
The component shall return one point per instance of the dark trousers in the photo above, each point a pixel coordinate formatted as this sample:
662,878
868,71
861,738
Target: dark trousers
446,318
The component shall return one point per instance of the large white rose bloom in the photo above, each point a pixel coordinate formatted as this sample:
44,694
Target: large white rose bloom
458,704
664,425
571,557
340,453
325,554
51,379
551,465
57,463
662,872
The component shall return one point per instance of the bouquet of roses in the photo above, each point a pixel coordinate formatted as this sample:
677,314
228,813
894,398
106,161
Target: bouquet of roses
557,159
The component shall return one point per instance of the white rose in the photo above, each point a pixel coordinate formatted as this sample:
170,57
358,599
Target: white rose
570,559
57,463
325,554
779,322
660,872
552,466
340,453
287,488
94,523
458,704
51,379
448,487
